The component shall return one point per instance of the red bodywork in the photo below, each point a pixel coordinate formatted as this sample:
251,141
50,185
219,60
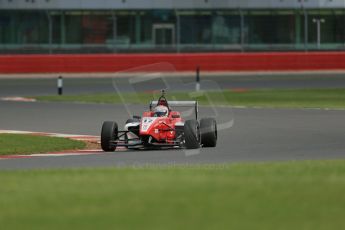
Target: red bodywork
162,129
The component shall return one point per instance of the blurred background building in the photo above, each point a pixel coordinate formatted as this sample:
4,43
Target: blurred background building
116,26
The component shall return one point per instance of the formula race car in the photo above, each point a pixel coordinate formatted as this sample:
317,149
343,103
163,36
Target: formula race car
161,127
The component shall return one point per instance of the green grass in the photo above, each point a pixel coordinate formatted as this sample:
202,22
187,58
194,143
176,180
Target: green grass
295,195
27,144
274,98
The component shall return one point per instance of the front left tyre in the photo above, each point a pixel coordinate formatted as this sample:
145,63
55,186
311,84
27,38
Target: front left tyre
108,135
192,134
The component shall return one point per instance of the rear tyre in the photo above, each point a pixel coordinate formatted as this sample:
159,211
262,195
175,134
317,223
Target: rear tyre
192,134
108,135
208,130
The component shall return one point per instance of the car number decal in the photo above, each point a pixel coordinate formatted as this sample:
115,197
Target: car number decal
146,123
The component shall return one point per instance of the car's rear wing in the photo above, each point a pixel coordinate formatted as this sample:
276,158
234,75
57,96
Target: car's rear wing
195,104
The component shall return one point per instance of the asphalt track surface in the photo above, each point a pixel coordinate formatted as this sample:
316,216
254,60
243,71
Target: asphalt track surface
256,135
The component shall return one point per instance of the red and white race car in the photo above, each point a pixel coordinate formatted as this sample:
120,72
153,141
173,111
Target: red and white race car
161,127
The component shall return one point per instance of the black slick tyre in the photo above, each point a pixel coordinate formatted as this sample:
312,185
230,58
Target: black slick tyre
109,133
192,134
208,131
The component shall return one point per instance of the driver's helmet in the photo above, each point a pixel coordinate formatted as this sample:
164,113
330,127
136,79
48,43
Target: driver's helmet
161,111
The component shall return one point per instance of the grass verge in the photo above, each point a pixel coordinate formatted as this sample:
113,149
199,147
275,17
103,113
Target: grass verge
297,195
274,98
12,144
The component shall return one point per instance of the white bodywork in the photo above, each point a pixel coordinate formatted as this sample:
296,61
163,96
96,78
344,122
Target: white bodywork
132,124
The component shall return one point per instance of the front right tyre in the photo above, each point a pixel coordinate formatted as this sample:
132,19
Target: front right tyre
208,130
108,135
